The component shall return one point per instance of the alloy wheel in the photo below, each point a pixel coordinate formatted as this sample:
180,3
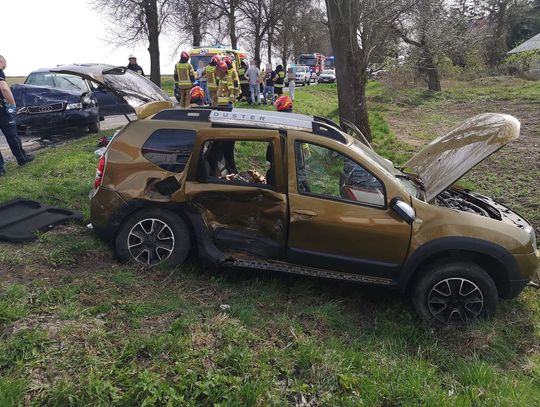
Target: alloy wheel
150,241
455,301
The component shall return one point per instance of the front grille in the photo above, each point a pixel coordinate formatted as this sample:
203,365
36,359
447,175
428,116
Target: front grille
55,107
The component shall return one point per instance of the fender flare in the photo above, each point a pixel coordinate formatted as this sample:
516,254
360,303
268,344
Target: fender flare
497,254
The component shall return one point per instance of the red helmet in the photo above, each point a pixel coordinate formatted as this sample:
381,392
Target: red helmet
184,56
283,103
215,59
197,93
222,66
227,59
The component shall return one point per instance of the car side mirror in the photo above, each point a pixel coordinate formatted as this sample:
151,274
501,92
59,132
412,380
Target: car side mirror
403,210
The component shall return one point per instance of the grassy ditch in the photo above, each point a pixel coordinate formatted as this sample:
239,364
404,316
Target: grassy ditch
78,329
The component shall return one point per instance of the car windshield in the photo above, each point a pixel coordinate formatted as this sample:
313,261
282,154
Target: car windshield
388,167
311,61
56,80
328,72
196,58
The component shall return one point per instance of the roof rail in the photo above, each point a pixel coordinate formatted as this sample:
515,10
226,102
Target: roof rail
183,114
260,119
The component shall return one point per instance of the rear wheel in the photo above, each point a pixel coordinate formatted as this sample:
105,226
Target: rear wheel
454,293
153,236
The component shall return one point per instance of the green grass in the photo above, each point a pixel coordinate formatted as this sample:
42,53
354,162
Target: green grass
79,329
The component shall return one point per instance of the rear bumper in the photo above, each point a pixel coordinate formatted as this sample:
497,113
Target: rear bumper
105,204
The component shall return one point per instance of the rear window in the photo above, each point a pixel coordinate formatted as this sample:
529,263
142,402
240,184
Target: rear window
169,149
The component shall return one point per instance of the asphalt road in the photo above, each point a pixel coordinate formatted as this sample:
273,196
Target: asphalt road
32,143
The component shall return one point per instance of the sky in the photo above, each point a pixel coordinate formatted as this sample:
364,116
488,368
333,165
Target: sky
40,34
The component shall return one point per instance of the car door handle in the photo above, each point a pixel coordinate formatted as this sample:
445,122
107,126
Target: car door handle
305,213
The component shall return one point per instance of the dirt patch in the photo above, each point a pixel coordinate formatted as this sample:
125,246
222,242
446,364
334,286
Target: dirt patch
511,175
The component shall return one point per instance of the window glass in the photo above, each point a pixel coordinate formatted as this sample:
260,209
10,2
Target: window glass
239,161
60,81
169,149
325,172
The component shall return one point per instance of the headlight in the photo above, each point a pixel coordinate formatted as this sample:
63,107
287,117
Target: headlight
73,106
88,101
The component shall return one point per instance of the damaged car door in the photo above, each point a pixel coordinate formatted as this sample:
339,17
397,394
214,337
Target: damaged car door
239,189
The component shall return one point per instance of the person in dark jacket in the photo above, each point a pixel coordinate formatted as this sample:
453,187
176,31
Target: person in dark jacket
133,66
7,121
244,83
280,80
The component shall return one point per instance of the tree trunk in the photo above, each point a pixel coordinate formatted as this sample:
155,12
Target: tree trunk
350,70
257,52
270,41
232,26
498,45
153,40
196,24
430,71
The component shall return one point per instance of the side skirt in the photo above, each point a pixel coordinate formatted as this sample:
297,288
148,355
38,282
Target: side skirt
233,262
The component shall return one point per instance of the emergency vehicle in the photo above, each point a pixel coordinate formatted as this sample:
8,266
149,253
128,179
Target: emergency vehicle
205,54
315,62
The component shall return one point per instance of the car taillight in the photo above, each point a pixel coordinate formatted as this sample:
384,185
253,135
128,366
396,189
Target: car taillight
99,172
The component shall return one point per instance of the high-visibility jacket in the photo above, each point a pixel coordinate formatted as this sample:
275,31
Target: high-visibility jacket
226,90
211,80
242,75
186,75
280,79
234,75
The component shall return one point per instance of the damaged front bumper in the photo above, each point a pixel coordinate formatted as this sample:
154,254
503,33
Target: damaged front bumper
535,281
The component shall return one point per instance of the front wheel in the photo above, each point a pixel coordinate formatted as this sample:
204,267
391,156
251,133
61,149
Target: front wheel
94,127
454,293
153,236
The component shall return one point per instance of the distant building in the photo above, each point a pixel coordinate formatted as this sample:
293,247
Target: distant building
532,44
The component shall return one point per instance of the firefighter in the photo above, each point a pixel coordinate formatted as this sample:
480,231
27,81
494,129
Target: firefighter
280,80
226,95
211,79
231,68
244,84
283,104
197,96
184,76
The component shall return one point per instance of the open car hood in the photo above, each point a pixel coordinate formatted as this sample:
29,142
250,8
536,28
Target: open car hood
447,158
135,89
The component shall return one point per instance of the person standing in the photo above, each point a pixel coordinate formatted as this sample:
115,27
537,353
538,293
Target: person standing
134,66
291,77
252,74
270,79
211,79
226,91
8,109
244,84
280,80
201,77
184,76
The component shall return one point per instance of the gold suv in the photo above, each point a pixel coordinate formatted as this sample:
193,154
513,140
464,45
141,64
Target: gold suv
298,194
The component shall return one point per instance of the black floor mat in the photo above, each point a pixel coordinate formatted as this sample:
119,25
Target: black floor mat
20,219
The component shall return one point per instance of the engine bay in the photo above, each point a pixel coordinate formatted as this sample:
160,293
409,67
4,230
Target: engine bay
466,201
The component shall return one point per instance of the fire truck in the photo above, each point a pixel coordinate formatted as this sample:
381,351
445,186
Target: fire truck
315,62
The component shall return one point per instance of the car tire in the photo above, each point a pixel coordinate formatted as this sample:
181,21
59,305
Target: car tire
153,236
94,127
454,293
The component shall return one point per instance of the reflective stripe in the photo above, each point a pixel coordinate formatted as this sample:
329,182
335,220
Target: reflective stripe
183,70
211,77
